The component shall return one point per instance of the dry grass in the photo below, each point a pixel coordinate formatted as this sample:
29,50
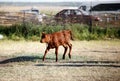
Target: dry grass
50,73
44,9
92,61
98,50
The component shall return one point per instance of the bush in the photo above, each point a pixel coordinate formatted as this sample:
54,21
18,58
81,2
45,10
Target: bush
80,32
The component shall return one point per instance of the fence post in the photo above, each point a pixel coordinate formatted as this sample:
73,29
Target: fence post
90,20
23,19
24,25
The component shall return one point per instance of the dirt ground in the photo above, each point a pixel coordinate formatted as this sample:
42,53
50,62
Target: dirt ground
91,61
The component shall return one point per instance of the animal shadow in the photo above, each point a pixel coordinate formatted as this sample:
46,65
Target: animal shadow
20,59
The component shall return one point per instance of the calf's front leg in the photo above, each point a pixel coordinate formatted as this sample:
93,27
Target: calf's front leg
47,49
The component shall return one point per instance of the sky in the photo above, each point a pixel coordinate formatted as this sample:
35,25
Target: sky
52,0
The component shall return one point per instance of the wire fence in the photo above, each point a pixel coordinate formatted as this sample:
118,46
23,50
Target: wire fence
10,18
108,19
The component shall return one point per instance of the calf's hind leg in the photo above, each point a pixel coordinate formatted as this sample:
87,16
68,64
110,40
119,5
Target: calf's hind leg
70,47
66,47
56,52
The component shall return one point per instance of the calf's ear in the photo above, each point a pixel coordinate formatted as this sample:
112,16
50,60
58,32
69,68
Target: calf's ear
43,33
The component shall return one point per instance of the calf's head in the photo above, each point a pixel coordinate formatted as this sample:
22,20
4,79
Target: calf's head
45,38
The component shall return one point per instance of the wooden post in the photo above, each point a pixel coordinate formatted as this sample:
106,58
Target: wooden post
90,20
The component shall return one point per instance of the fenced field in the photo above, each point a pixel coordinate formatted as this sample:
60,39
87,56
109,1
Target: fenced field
95,55
91,61
10,15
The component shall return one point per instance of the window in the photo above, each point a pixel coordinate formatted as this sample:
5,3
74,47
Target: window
78,12
67,12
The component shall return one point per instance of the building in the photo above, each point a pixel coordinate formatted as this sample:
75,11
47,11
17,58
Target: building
101,6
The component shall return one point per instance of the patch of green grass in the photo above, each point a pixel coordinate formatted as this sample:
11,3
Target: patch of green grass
33,32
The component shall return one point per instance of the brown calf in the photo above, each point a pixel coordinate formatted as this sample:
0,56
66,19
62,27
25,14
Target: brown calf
56,39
